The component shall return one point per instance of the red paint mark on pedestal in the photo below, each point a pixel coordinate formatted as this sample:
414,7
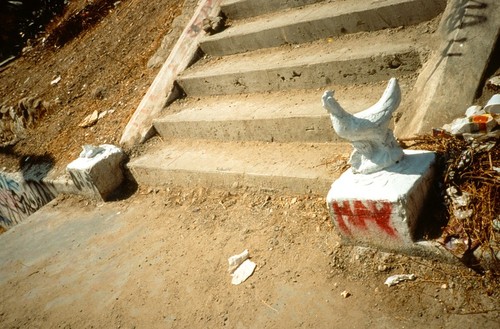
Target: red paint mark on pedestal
357,214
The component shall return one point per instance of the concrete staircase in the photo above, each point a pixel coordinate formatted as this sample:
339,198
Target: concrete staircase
252,113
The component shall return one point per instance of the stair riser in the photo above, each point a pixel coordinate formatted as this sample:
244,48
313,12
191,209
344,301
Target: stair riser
158,176
303,129
305,76
328,24
238,9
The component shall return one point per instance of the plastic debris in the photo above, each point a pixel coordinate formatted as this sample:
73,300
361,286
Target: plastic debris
90,151
243,272
474,110
398,278
479,123
493,105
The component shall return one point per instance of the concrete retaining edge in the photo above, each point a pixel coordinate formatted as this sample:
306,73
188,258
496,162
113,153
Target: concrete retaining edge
162,90
469,31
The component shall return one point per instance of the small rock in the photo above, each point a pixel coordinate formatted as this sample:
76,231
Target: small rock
382,268
345,294
494,83
55,81
90,120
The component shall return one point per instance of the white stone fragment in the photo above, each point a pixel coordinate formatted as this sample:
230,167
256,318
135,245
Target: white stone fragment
243,272
90,120
55,81
345,294
395,279
237,260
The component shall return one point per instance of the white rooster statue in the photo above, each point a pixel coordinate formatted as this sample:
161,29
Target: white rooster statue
375,147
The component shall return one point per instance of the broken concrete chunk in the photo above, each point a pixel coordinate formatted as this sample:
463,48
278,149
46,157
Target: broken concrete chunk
243,272
237,260
213,25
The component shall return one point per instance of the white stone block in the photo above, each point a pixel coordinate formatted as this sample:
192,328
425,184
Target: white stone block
97,176
382,209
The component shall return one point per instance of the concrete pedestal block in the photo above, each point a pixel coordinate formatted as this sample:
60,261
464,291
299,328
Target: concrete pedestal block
96,176
382,209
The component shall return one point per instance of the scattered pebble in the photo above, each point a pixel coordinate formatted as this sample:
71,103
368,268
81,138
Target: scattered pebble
345,294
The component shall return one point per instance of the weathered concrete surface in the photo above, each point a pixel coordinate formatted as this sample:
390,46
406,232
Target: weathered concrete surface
98,176
237,9
449,81
308,66
285,116
318,21
161,91
21,195
290,167
382,209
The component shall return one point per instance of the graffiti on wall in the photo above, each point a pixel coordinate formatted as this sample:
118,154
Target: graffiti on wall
362,216
19,198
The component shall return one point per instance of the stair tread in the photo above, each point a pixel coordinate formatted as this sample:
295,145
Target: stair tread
318,20
240,9
247,161
291,56
269,105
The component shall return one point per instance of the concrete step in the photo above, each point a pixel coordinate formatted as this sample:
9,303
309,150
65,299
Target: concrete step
289,116
321,20
308,66
291,167
238,9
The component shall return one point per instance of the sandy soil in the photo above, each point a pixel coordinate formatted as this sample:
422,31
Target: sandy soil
117,265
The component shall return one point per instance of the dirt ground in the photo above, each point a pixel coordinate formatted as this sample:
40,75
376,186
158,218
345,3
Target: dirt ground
158,257
115,265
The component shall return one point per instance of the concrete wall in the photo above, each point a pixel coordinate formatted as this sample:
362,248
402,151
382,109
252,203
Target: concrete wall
20,197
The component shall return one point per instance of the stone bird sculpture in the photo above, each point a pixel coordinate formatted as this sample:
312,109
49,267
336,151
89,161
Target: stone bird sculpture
375,146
